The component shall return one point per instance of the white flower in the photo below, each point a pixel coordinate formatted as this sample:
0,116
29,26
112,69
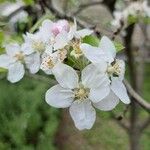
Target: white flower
103,57
92,90
146,8
33,47
59,34
54,34
49,61
78,34
13,61
136,9
76,37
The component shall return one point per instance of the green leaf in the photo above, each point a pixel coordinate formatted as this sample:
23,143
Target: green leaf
90,39
132,19
118,46
1,37
29,2
3,70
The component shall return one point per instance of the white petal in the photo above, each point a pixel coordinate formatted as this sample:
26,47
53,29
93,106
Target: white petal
120,90
66,76
72,31
108,103
94,54
122,68
59,97
108,48
33,62
61,40
97,94
101,66
5,60
83,114
27,48
46,30
82,33
15,72
91,77
12,49
48,49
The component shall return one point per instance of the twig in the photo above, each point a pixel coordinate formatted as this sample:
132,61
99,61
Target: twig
142,102
145,124
124,125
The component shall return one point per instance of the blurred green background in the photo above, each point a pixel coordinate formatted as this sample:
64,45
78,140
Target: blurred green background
27,122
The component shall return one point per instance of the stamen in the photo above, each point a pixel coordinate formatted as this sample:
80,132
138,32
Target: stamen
76,52
114,69
48,62
38,46
19,56
81,93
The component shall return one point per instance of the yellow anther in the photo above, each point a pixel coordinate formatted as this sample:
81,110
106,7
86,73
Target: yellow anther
38,46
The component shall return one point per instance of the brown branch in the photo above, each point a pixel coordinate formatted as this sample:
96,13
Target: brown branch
122,124
145,124
142,102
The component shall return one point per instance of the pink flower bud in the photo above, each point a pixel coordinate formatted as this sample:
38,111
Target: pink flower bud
60,26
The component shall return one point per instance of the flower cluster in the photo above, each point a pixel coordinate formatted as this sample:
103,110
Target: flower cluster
96,82
134,12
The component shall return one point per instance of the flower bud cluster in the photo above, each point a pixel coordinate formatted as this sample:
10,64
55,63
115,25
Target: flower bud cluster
97,83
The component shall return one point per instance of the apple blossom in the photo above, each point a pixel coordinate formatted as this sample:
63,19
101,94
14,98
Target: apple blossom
13,61
60,34
33,47
103,57
81,95
135,9
54,34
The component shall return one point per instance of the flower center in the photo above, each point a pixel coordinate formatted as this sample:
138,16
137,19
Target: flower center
62,54
81,93
38,46
76,52
48,62
114,69
19,56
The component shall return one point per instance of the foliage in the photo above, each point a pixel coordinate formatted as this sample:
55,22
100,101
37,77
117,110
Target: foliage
27,122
